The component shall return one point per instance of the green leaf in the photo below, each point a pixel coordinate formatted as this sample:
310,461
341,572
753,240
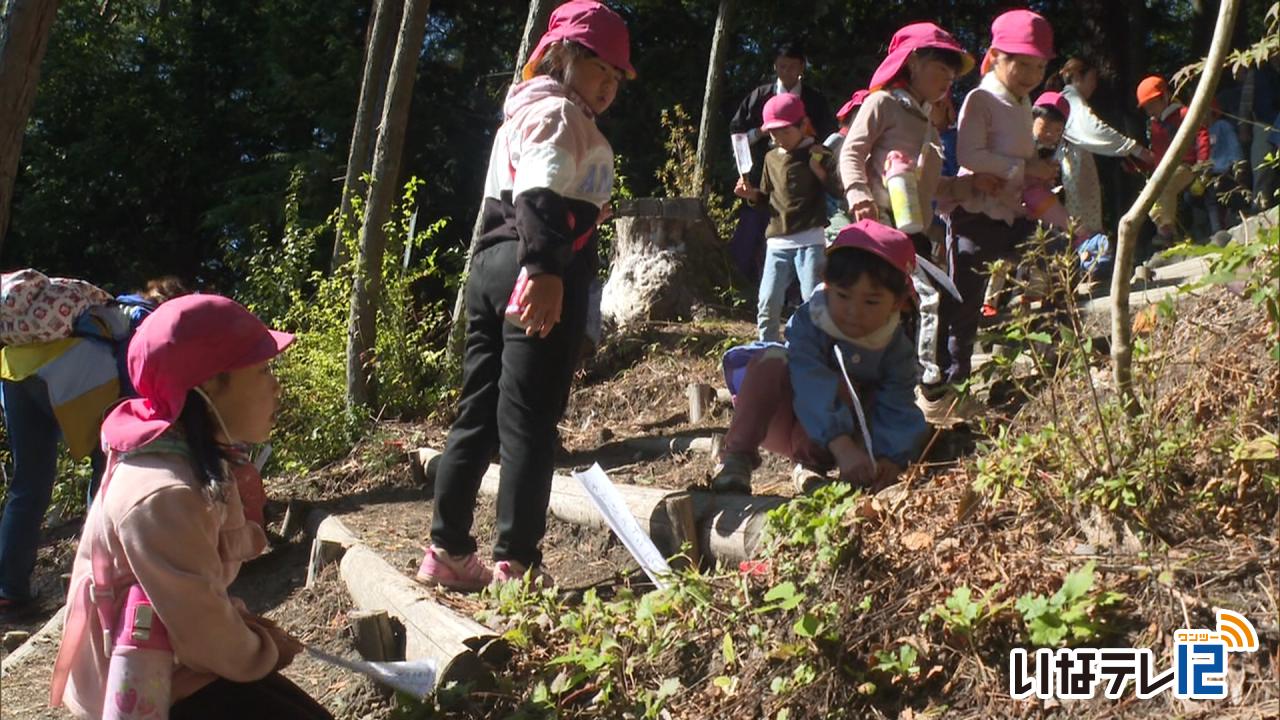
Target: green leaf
807,626
727,649
1077,584
784,595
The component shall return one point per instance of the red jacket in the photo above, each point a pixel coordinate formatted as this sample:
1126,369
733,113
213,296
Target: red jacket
1163,128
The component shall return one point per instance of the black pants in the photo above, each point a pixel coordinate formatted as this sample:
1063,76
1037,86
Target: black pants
274,697
514,392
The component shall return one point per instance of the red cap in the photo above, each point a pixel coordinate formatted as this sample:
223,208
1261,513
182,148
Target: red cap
907,40
1021,32
855,101
783,110
592,25
1151,87
185,342
889,243
1056,101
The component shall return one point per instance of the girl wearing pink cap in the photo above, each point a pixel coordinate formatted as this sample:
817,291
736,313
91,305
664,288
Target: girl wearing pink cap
550,177
896,120
798,175
169,519
994,138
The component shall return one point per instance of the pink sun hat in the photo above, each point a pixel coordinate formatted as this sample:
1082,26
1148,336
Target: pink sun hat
783,110
184,343
1056,101
855,101
1021,32
592,25
907,40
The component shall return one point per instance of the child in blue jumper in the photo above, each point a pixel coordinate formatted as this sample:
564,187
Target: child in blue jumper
795,399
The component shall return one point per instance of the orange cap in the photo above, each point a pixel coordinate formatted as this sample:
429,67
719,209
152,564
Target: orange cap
1151,87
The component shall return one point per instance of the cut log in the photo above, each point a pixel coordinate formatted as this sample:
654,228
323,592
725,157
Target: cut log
666,259
730,526
667,516
375,637
702,398
332,538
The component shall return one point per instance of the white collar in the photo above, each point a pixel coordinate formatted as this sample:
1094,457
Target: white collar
992,84
821,317
779,90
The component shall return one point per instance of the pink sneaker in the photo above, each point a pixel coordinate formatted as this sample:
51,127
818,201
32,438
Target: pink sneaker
465,573
513,571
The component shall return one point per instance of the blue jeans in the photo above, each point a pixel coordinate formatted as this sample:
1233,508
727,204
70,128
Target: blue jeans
781,267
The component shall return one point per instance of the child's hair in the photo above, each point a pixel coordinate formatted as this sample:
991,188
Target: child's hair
1047,112
791,49
950,58
164,288
846,264
207,454
558,59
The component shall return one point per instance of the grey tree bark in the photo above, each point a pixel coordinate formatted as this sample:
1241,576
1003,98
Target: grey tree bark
373,93
24,37
708,126
1121,324
534,25
362,322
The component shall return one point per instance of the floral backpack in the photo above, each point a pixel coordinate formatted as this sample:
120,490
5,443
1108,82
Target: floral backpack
35,308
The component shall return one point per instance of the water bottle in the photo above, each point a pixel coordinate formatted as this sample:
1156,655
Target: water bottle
904,195
141,668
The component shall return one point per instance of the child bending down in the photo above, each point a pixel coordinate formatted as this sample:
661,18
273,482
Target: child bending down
794,400
798,175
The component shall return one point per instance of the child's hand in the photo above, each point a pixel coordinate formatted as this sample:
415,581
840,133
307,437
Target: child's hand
866,210
855,465
542,304
744,190
1147,158
815,164
287,646
987,184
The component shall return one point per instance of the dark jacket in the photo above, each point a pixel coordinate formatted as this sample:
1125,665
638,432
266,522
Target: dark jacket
750,116
797,198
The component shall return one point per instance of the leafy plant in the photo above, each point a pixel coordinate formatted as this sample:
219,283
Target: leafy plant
962,614
822,522
898,664
1070,614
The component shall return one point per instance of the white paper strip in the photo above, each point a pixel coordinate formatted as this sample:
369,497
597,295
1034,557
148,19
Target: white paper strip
939,276
414,677
741,152
614,509
857,404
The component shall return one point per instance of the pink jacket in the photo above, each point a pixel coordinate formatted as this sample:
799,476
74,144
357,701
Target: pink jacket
994,137
163,531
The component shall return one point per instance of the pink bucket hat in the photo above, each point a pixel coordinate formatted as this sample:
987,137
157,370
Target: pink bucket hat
185,342
889,243
1021,32
783,110
907,40
591,24
1056,101
855,101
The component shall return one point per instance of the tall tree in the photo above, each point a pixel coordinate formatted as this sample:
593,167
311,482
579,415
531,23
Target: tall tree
24,36
362,324
373,93
534,24
708,126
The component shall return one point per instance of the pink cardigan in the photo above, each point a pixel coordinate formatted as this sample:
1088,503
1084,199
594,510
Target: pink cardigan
163,531
994,137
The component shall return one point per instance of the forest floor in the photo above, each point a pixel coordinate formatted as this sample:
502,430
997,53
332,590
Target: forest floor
984,512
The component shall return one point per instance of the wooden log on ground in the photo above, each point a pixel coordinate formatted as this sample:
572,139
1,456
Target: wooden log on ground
375,637
730,526
703,397
666,515
49,633
331,540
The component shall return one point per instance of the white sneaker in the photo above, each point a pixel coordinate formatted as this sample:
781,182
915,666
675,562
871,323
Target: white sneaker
806,479
949,409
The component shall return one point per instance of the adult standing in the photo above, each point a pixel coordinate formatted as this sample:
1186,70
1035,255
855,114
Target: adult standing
1260,129
1086,135
788,65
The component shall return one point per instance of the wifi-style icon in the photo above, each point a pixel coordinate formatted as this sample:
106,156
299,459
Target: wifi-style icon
1236,631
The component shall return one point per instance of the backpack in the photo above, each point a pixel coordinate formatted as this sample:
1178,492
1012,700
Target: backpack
35,308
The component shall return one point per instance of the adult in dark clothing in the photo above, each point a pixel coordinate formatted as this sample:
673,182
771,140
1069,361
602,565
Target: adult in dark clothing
747,246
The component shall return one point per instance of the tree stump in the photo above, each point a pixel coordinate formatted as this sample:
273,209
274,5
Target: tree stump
666,259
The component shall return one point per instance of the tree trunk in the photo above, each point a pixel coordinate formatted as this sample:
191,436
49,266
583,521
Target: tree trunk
708,127
373,93
362,324
24,37
1121,328
535,23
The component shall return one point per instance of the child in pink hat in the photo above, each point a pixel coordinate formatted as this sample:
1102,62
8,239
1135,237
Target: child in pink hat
896,121
169,519
795,399
550,177
798,175
995,140
838,217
